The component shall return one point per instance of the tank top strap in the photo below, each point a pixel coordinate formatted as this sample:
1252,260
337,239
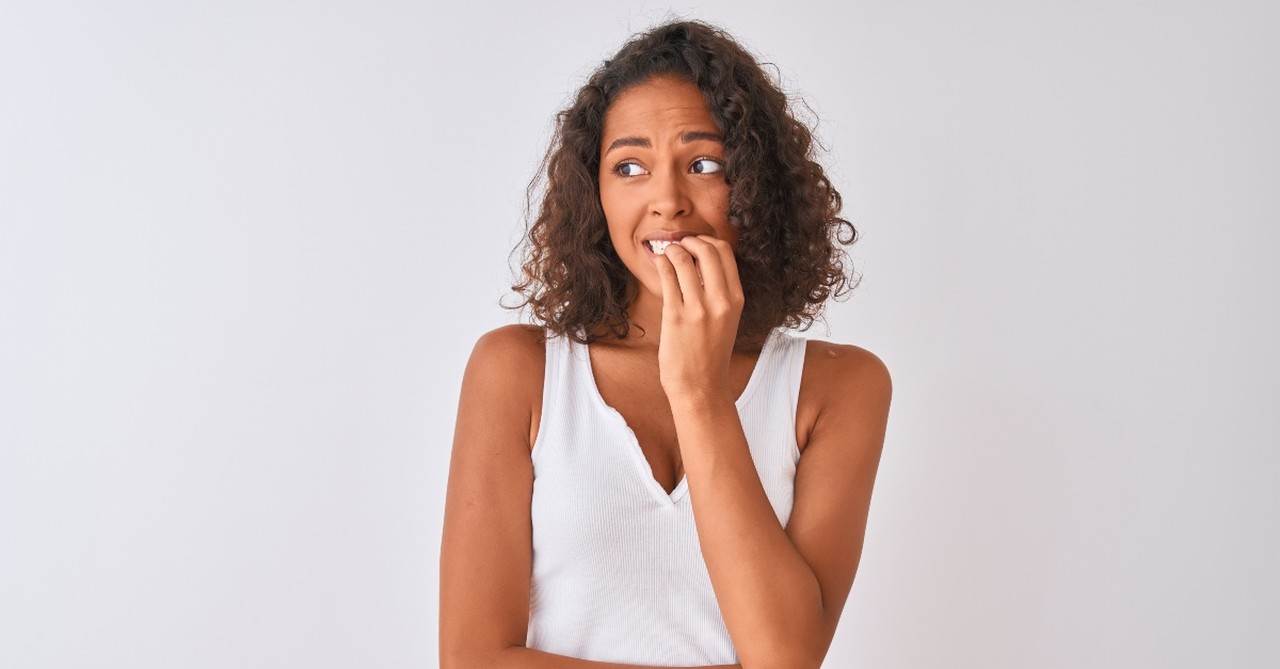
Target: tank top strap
780,366
556,384
768,407
791,353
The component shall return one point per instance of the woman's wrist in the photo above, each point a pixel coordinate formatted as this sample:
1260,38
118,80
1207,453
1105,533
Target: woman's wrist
699,402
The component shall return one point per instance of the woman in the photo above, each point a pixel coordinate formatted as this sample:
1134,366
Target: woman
659,475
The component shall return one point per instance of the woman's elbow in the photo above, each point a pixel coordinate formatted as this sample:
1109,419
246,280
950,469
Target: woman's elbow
791,653
461,657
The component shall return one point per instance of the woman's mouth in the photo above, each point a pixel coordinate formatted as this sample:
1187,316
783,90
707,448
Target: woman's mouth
657,247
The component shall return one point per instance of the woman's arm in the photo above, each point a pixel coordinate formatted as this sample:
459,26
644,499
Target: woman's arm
780,591
486,549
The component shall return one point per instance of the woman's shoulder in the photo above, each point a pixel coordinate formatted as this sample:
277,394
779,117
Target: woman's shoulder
839,368
511,356
834,362
507,367
515,340
837,378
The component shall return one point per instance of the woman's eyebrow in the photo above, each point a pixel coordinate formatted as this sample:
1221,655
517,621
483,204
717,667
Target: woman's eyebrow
691,136
695,135
628,141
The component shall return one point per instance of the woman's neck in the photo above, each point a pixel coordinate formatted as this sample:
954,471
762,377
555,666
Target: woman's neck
645,316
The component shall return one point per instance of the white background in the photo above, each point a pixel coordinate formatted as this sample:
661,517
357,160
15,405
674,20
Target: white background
245,250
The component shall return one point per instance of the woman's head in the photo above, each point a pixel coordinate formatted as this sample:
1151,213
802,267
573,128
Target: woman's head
779,202
661,175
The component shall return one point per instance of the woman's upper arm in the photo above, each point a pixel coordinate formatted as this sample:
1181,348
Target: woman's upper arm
838,468
486,548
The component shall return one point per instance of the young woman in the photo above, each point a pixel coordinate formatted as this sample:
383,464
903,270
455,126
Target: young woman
659,474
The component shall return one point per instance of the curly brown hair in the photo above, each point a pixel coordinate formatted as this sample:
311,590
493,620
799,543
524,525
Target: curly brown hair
789,252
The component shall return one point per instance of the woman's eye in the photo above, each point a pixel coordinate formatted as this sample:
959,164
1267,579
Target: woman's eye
629,170
706,166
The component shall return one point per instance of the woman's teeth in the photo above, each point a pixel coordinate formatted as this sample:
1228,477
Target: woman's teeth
659,247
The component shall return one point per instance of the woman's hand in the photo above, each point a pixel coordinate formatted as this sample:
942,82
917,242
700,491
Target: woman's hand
701,305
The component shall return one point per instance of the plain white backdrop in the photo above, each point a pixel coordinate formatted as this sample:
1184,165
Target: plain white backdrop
245,250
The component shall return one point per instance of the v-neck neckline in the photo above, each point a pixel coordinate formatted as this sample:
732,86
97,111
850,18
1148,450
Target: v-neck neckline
681,490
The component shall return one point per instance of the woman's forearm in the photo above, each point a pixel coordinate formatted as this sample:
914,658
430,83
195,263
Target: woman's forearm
768,595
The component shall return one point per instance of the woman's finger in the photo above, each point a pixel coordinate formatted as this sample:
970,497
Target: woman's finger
729,262
710,264
686,272
671,298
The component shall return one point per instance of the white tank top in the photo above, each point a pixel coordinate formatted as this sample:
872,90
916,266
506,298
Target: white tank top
618,575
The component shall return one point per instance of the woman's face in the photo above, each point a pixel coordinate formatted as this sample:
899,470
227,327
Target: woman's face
661,172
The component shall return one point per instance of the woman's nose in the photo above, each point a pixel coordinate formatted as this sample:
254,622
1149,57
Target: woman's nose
669,198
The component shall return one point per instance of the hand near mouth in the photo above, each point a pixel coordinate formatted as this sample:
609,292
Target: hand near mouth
701,304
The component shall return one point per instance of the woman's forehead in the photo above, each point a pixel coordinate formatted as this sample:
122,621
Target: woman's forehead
657,109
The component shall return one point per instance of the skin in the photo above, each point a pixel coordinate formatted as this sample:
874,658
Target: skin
780,590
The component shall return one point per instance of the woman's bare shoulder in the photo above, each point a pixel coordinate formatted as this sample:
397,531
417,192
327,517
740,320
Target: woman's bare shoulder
505,374
836,377
513,356
843,363
514,343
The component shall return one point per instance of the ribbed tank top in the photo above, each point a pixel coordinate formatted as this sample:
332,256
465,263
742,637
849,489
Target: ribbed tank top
618,575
